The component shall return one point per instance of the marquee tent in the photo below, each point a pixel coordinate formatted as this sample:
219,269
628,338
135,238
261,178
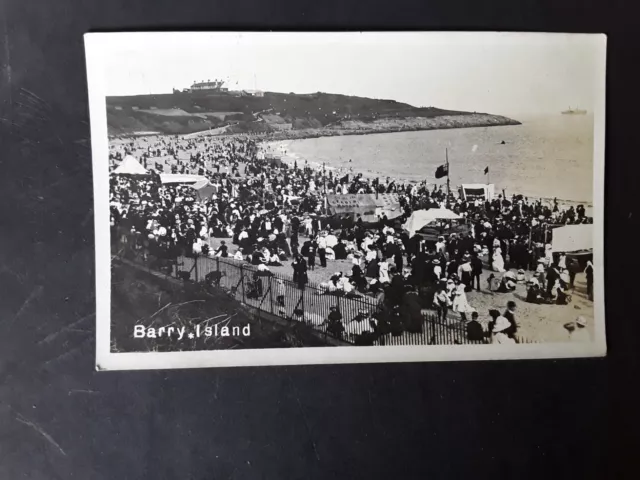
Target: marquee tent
366,205
572,239
420,218
130,166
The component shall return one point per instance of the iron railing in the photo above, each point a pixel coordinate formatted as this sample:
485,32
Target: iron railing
359,319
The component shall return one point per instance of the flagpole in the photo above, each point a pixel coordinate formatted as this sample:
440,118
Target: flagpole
324,182
446,153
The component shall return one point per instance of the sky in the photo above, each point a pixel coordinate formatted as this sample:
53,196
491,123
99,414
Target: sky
495,73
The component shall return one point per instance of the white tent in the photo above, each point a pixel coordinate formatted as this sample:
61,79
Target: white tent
420,218
572,238
130,166
201,184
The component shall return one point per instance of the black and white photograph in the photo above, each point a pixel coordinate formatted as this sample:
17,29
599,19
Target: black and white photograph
310,198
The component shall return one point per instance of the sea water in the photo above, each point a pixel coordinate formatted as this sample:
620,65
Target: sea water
544,157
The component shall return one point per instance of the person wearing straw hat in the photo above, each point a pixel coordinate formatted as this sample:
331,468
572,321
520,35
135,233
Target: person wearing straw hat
464,272
437,269
498,332
578,332
441,302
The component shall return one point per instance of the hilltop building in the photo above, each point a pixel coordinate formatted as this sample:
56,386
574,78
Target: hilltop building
211,86
216,86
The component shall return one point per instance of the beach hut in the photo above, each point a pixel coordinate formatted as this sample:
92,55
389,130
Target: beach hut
472,191
422,218
130,166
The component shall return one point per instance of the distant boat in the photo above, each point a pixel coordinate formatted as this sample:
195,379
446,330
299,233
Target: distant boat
574,111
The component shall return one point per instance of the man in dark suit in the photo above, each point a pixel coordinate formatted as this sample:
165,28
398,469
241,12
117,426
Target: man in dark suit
509,314
476,271
552,276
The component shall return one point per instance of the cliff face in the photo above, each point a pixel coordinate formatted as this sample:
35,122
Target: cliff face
391,125
281,115
426,123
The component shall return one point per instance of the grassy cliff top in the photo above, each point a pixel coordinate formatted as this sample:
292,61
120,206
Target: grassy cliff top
190,112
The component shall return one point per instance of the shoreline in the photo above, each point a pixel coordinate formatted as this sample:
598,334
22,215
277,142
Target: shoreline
290,159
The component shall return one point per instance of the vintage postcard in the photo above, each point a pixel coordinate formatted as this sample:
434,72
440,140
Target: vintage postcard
314,198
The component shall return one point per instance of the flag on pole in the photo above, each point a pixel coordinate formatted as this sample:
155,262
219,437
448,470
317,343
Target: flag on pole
486,170
442,171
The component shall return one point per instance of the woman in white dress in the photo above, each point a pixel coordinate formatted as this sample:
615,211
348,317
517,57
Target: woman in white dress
308,226
384,271
548,254
460,303
562,262
498,261
540,271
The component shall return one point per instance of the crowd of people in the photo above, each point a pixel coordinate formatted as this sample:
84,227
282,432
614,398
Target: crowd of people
272,214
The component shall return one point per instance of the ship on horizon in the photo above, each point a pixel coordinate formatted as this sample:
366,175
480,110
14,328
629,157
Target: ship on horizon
574,111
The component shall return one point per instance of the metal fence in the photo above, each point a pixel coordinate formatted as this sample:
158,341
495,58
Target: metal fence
357,318
278,295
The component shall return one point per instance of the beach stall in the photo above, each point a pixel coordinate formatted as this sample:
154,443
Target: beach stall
473,191
130,166
352,205
572,239
366,205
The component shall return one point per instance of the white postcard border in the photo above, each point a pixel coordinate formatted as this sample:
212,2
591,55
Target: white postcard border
96,44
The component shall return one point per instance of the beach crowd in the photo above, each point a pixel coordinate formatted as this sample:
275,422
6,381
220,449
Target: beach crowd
269,214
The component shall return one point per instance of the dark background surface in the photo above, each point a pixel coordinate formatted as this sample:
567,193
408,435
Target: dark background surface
59,419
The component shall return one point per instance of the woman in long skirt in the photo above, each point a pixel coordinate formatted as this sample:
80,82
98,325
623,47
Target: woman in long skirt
294,244
384,271
498,261
460,303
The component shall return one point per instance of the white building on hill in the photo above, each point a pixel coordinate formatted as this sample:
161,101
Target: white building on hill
215,85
